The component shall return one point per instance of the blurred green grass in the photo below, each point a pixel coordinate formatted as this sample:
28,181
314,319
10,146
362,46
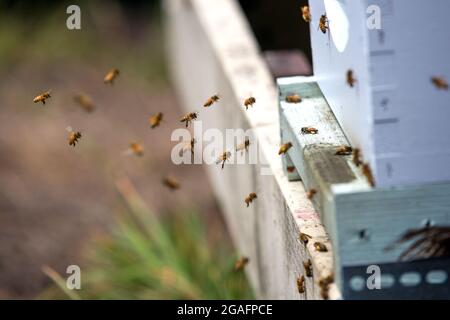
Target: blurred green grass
149,256
108,38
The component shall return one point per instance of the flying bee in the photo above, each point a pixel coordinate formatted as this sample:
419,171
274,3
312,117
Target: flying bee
306,14
223,157
310,194
84,102
137,149
243,146
323,24
344,151
111,76
440,83
249,199
293,98
171,183
309,130
73,136
240,264
320,246
367,172
155,120
42,97
189,117
304,238
284,148
249,102
301,284
350,78
188,146
211,100
357,157
324,284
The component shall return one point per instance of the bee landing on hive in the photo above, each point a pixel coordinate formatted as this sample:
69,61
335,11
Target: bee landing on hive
249,102
249,199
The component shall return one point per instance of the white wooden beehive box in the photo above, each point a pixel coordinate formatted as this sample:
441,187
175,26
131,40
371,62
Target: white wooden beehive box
394,113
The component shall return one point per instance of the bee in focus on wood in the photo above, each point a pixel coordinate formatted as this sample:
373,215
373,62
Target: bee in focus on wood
320,246
308,268
171,183
301,284
189,117
243,146
350,78
73,136
306,14
211,100
240,264
249,102
304,238
249,199
284,148
323,24
111,76
309,130
42,97
84,102
344,151
137,149
440,83
427,242
294,98
357,157
155,120
367,172
324,284
223,157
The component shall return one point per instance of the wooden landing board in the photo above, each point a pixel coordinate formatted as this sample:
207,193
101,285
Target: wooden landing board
361,221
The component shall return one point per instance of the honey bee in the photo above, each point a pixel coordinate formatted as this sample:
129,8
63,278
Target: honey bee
85,102
137,149
42,97
350,78
249,102
243,146
309,130
323,24
310,194
284,148
344,151
367,172
357,157
171,183
189,117
249,199
211,100
308,268
440,83
223,157
240,264
294,98
321,247
73,136
306,14
189,146
155,120
304,238
324,284
301,284
111,76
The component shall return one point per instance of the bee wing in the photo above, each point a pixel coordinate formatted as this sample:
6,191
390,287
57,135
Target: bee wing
69,129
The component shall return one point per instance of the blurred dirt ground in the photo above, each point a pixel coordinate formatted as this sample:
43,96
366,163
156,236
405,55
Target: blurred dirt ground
54,197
